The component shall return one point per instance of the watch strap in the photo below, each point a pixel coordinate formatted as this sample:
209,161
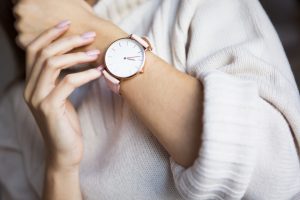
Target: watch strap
143,41
112,82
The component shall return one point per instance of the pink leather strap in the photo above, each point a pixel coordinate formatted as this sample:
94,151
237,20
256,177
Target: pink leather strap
112,82
140,40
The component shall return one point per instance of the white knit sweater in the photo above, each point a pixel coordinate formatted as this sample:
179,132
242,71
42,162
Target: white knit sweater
251,120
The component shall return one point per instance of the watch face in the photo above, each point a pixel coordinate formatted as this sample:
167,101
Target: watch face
125,57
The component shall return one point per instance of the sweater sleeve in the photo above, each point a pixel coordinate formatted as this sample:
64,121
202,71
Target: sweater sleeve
226,158
240,62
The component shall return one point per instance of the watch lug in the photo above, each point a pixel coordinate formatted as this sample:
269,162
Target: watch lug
142,70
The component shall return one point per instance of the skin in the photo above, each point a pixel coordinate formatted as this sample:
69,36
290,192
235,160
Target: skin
46,96
175,122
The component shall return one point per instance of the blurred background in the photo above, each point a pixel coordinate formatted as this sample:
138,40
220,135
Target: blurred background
285,15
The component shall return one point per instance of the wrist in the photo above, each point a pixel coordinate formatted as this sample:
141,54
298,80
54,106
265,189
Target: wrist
53,170
61,163
107,32
58,171
61,184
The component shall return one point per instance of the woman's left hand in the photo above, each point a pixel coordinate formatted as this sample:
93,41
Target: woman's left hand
35,16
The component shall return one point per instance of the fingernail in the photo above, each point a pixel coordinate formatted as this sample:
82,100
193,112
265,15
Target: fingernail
63,24
93,53
88,35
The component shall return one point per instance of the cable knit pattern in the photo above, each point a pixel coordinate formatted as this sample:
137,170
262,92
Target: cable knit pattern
251,117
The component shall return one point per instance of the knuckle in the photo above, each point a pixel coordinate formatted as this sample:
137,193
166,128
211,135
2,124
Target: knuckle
68,79
34,102
45,53
17,25
26,95
80,55
17,9
20,41
31,49
44,106
73,39
50,63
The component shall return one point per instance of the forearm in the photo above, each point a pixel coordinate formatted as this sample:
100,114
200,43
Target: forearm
61,184
169,102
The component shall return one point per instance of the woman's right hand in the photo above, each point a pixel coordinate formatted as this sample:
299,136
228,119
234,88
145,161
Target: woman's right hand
47,96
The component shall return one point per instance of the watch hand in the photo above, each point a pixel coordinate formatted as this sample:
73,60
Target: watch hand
133,57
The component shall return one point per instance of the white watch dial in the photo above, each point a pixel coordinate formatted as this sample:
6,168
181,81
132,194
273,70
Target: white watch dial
125,57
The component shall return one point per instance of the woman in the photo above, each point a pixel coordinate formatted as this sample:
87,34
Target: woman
217,97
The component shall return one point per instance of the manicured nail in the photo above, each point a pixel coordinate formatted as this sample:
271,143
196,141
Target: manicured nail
88,35
93,53
63,24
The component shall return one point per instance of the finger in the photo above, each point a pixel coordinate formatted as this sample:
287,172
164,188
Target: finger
59,47
51,70
32,52
70,82
67,44
42,41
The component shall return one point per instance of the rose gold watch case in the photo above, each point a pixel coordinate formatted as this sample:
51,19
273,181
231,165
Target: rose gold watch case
141,70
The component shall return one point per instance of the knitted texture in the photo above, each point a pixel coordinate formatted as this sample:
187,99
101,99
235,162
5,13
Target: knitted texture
251,117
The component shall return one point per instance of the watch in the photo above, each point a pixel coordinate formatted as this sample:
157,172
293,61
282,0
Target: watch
124,59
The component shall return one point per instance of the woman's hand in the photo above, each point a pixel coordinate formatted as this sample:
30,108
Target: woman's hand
35,16
46,94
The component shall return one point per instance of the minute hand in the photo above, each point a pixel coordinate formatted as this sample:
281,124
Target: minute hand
133,57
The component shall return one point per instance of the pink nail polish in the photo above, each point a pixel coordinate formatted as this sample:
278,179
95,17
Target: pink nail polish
63,24
88,35
93,53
